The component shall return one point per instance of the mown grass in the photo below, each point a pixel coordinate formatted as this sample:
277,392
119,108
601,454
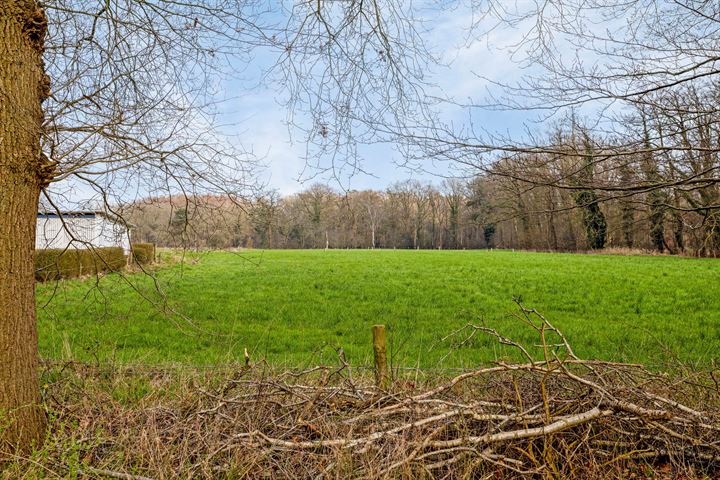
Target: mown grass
296,307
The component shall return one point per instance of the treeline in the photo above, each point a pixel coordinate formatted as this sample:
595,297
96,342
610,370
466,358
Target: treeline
491,211
409,214
652,184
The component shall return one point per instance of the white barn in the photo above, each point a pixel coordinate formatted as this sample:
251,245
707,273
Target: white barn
85,229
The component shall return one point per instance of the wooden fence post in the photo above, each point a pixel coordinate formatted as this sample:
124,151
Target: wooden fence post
380,350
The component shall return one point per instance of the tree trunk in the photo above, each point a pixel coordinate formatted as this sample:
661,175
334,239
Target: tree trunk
552,231
23,172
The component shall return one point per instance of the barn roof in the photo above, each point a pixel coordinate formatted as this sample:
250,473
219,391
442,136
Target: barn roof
84,214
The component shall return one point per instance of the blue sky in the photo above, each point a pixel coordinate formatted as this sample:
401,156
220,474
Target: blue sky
259,119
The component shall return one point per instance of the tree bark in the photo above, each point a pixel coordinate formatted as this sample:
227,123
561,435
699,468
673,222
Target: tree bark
23,172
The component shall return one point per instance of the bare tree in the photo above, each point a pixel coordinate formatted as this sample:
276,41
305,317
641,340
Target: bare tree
129,110
371,205
24,171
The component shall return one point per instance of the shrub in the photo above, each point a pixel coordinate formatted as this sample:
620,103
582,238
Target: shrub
54,264
143,253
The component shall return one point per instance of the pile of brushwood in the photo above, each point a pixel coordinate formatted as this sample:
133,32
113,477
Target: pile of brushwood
554,417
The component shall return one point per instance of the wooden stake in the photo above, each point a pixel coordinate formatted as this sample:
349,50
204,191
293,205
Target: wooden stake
380,350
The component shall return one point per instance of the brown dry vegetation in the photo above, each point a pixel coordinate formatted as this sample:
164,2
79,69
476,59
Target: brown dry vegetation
561,417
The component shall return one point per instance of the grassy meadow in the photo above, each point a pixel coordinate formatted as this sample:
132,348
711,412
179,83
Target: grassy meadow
297,307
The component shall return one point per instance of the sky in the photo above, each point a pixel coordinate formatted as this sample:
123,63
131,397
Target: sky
250,111
259,119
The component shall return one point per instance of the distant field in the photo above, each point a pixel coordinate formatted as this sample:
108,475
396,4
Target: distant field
295,307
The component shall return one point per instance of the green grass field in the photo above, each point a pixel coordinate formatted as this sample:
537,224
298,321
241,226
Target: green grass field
294,307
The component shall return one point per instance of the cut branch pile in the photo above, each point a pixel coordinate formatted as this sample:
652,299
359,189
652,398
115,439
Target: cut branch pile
567,418
559,417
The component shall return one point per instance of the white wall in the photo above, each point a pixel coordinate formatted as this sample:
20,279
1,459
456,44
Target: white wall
97,231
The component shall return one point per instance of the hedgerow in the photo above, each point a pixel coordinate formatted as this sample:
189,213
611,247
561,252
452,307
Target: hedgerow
143,253
55,264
